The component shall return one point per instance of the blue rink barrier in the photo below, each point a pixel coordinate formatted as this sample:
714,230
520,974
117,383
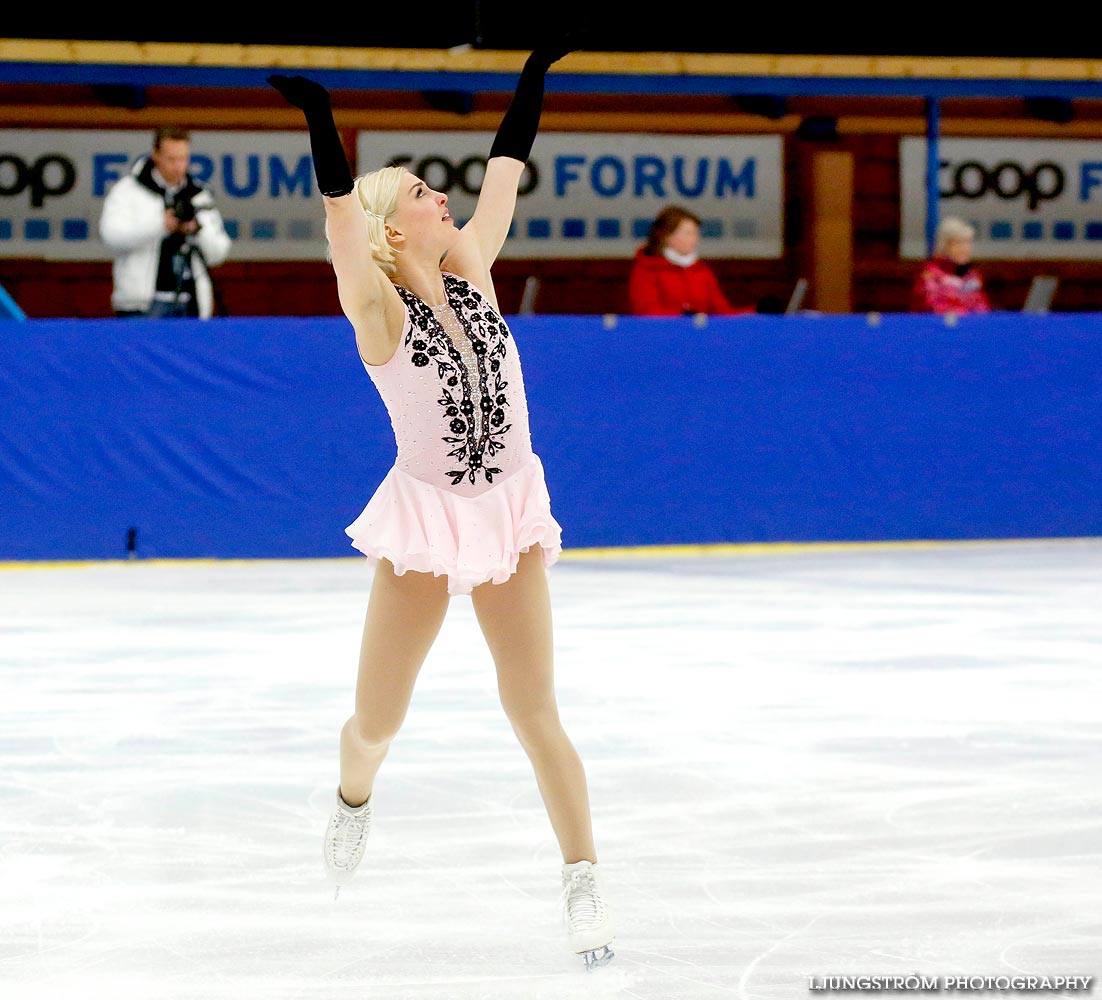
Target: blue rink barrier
264,437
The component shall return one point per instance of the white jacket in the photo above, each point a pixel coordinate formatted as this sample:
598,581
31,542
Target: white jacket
132,225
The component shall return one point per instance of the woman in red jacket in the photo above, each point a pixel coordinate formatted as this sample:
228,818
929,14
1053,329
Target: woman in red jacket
667,278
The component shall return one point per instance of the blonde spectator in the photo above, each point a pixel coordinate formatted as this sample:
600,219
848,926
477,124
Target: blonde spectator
950,283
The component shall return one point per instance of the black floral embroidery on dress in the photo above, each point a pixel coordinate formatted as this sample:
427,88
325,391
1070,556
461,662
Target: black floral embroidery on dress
474,443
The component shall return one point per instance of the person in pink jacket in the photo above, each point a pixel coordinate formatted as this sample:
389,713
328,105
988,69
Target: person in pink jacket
668,278
950,283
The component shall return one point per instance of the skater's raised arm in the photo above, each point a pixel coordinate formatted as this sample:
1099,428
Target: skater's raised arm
366,293
483,237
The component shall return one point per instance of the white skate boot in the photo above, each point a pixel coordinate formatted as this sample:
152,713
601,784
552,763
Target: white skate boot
345,839
586,913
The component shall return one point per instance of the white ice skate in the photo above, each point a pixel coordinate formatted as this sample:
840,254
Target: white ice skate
345,839
586,913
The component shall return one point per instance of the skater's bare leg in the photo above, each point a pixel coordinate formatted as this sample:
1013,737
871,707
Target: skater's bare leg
404,615
515,618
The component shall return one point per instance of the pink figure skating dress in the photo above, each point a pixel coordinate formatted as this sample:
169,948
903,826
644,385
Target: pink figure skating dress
466,494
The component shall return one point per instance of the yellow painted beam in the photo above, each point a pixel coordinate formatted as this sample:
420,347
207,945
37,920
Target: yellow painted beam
488,60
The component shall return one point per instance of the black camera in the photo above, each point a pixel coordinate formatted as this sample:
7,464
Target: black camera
183,208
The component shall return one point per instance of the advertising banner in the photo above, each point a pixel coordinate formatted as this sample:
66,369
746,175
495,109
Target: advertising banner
595,194
52,185
1027,198
583,195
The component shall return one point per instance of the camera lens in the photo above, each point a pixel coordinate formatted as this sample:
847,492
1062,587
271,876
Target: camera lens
183,209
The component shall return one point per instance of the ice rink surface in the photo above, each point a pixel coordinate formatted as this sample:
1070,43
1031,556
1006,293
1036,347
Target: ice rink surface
802,763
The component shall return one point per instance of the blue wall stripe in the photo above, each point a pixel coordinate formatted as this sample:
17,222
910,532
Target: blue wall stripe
264,437
15,71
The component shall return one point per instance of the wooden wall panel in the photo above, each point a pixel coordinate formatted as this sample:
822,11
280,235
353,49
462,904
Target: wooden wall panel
870,132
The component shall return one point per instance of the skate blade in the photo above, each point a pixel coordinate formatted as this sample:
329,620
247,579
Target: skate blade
598,957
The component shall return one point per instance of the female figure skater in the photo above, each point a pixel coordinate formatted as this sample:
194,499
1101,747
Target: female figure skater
465,509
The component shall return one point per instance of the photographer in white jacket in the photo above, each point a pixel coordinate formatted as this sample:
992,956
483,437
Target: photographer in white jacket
165,233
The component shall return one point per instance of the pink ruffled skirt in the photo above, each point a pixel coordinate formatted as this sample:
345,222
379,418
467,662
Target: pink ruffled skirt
470,540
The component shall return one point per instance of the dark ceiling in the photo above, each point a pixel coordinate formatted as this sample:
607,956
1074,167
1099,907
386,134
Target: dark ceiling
601,25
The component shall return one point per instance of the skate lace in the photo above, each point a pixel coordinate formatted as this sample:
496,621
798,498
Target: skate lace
583,906
349,833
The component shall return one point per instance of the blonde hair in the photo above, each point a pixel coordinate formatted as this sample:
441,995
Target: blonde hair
378,196
952,228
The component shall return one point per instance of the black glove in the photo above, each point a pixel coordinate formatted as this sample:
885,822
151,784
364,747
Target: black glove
330,163
517,131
